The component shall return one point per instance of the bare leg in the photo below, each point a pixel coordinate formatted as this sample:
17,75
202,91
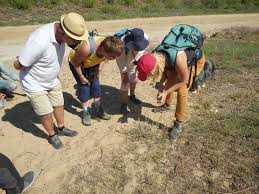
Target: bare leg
47,122
133,88
124,97
59,115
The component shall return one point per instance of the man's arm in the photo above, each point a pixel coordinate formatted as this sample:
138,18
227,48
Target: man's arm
17,65
29,55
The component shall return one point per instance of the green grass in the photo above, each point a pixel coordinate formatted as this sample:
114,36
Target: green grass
234,54
114,9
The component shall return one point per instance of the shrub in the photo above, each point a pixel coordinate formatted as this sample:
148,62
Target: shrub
128,2
89,3
212,3
171,3
21,4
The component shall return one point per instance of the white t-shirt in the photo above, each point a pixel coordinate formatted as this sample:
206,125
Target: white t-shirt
42,56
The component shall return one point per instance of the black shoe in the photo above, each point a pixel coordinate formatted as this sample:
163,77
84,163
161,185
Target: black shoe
67,132
176,130
162,108
28,179
55,142
135,100
8,95
124,109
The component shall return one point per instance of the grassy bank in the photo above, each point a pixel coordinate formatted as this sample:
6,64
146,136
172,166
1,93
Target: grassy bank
218,149
21,12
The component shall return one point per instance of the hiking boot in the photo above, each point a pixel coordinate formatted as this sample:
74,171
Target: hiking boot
28,179
123,109
55,142
135,100
175,131
162,108
66,132
86,118
100,112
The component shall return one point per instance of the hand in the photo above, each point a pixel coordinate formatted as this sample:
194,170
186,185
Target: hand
161,86
84,80
2,96
161,97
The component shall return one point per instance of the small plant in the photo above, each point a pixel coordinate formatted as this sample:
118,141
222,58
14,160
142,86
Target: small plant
21,4
171,3
110,9
128,2
89,3
212,3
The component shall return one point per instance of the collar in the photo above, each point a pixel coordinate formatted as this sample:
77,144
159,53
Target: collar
52,37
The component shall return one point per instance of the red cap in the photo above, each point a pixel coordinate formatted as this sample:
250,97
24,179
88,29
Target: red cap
145,65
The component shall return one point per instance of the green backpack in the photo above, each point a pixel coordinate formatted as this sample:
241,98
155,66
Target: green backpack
181,37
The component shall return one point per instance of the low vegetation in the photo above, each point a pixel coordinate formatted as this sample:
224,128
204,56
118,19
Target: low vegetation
19,12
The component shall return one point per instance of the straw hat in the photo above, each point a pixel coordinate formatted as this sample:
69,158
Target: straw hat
74,26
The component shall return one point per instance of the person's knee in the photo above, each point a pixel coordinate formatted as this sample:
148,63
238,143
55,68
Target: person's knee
11,87
83,93
84,98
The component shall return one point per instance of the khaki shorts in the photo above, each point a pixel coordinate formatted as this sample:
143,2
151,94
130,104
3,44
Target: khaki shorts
43,101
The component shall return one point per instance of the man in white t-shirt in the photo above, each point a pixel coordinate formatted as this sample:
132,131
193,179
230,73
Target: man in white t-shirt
39,64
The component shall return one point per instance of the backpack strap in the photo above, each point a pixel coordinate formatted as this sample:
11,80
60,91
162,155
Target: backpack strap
91,44
122,32
190,75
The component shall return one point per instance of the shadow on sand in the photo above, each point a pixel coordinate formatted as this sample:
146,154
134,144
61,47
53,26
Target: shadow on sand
23,117
111,103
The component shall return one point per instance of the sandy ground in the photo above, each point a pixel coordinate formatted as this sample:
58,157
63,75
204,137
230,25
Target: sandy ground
22,138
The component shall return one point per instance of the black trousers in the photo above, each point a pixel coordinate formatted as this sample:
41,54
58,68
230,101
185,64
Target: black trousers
10,180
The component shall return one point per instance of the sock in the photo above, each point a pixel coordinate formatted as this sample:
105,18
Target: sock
52,135
60,128
85,108
178,121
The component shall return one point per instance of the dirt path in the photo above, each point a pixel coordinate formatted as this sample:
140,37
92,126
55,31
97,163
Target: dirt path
20,136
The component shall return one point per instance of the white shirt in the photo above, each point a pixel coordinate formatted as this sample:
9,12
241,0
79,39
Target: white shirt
42,56
126,62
